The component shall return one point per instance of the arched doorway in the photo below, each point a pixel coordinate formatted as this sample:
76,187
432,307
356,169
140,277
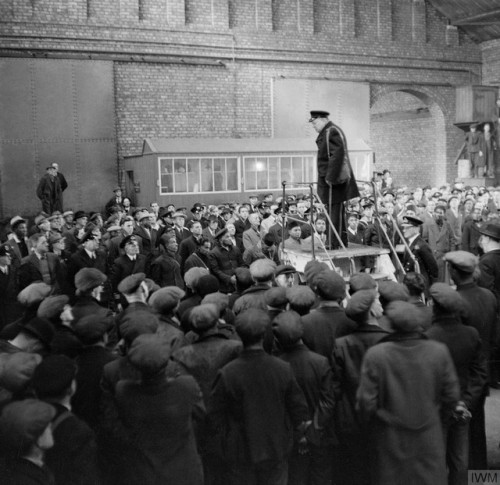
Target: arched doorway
408,136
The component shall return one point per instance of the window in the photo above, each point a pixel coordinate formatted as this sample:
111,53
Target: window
267,173
202,175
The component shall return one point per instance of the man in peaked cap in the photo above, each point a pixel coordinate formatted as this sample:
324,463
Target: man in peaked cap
336,182
464,344
420,251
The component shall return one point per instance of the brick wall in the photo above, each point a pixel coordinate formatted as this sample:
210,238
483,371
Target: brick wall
198,67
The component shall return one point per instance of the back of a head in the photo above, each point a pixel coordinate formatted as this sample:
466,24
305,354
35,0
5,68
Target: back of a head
204,317
361,281
92,329
262,270
405,317
329,285
137,323
312,269
415,283
54,376
301,298
392,291
165,300
207,284
192,276
243,279
359,305
288,328
251,325
149,354
219,299
447,301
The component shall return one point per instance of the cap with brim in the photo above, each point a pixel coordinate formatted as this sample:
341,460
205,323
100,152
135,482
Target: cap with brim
143,215
89,278
39,219
178,214
79,215
116,189
221,233
34,294
284,269
319,114
131,283
15,221
405,317
491,230
54,216
412,221
52,306
113,228
446,297
41,329
68,213
128,239
166,299
55,237
462,260
88,236
149,354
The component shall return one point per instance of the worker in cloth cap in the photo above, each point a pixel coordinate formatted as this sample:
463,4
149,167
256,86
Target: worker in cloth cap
315,378
353,450
336,182
75,451
26,435
328,320
407,379
155,404
262,423
463,268
464,344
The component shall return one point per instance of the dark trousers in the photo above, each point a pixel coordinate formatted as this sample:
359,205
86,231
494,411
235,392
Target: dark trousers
477,437
457,451
336,211
264,473
313,468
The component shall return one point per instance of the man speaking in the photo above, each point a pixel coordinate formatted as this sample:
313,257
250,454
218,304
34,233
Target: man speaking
336,183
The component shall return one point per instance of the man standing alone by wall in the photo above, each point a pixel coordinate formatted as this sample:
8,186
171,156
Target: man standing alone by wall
336,183
49,191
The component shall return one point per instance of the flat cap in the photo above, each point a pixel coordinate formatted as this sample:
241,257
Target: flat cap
52,306
80,214
138,323
204,316
53,376
149,354
179,214
89,278
165,299
392,291
301,296
446,297
462,260
41,329
361,281
405,317
207,284
192,276
68,213
360,303
116,189
276,297
90,329
88,235
113,228
330,285
262,269
284,269
313,268
23,422
288,328
55,237
252,323
131,283
217,298
34,294
16,370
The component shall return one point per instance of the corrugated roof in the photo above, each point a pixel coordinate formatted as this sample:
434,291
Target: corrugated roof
237,145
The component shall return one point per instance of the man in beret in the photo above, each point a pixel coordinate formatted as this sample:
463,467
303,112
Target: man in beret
49,191
328,320
409,380
73,459
315,378
223,261
464,344
336,182
129,263
257,439
25,434
352,453
421,253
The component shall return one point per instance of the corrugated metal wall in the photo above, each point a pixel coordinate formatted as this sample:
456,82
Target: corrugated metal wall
56,111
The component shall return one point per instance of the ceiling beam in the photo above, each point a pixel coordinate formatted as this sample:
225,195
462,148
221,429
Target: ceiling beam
485,16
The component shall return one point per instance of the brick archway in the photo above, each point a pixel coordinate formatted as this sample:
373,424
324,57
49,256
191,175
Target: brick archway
408,133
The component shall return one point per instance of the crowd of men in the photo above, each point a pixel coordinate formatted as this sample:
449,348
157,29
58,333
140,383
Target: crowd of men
165,345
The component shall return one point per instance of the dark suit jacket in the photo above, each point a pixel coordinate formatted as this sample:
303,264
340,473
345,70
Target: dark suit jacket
166,271
148,241
124,266
425,258
182,234
187,247
10,309
489,264
323,325
223,263
29,271
81,259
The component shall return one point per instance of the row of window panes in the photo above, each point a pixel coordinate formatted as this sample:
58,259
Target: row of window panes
186,175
